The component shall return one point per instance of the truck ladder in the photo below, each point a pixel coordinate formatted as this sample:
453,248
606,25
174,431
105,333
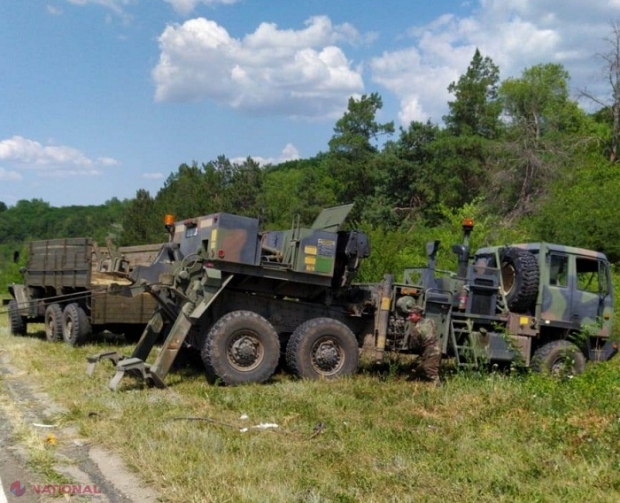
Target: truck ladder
460,337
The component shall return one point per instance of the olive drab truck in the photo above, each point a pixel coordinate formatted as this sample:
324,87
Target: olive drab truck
242,297
65,286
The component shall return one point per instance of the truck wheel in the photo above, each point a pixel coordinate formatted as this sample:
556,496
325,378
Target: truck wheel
242,347
75,325
559,359
520,277
322,347
17,322
53,323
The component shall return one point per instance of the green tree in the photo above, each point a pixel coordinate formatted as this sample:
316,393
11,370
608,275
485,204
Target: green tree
581,209
476,108
354,145
403,189
143,221
544,128
244,188
609,103
538,103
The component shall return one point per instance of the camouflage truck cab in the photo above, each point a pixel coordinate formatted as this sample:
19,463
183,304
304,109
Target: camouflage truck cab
573,290
538,300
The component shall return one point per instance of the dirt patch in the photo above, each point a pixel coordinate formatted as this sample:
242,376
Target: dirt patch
57,454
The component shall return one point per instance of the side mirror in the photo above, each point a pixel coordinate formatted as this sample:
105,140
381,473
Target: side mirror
431,248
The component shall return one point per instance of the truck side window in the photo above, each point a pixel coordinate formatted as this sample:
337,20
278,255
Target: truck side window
558,270
588,278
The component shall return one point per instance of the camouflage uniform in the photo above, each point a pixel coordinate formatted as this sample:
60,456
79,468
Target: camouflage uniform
423,337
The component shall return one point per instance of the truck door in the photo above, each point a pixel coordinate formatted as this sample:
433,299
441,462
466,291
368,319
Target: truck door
557,293
592,298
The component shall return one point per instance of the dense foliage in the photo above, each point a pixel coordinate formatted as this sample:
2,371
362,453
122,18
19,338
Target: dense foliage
519,155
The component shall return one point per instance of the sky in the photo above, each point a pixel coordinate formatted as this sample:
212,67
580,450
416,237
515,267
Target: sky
101,98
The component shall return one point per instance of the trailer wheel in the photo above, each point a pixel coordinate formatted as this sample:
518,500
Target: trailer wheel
17,322
242,347
520,277
559,359
322,347
53,323
75,325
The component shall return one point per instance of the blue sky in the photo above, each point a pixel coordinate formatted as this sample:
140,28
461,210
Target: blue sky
100,98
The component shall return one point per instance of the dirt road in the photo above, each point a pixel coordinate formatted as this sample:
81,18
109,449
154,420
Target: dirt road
62,462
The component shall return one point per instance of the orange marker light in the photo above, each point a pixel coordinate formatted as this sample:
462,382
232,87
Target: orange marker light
168,219
468,224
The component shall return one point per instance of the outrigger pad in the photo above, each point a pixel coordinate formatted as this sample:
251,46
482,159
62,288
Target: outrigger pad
113,356
134,367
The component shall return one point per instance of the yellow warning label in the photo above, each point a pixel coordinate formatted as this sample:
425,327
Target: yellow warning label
207,222
310,250
524,320
213,239
310,260
385,303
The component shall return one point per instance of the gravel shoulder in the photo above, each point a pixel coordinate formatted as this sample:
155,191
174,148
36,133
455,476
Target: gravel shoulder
37,452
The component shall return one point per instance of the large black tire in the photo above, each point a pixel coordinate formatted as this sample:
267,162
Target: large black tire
242,347
17,323
520,277
322,347
53,323
75,325
559,358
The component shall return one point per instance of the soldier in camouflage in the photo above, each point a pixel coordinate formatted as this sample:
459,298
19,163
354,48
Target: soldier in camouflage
423,336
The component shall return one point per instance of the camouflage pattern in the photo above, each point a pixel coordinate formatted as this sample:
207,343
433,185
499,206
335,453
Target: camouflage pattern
423,338
504,303
575,287
220,236
223,237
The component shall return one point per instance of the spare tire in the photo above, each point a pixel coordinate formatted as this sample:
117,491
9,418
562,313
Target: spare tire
520,278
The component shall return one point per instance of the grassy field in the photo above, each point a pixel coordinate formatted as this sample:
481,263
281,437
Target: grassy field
385,437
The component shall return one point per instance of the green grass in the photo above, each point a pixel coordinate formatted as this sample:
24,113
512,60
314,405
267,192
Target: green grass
479,438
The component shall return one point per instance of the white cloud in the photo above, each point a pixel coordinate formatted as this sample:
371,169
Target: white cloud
515,34
107,161
66,173
187,6
54,11
269,72
115,5
118,7
9,176
152,176
289,153
50,160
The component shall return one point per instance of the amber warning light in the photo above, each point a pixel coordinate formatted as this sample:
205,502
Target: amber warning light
168,219
468,224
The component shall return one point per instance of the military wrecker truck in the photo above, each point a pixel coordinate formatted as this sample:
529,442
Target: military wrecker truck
66,287
241,297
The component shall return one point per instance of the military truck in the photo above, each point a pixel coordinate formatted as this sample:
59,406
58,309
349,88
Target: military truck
66,287
240,297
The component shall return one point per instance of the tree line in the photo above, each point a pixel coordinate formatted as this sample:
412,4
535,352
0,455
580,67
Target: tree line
519,155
